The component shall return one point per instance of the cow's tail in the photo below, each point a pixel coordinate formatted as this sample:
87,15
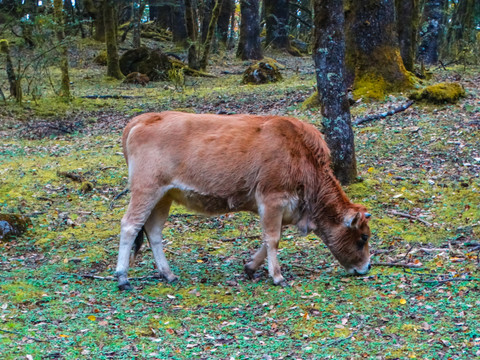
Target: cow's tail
137,245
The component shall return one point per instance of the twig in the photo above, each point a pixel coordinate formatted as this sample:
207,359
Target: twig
307,268
408,216
383,115
393,264
112,278
241,237
118,196
110,97
71,175
17,333
447,280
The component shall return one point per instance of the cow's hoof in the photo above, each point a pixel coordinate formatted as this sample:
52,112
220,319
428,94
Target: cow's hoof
125,286
171,278
249,272
280,282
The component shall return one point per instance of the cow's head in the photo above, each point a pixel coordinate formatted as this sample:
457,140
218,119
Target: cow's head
348,241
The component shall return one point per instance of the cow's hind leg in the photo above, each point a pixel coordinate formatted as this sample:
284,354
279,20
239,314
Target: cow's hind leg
153,229
256,261
141,204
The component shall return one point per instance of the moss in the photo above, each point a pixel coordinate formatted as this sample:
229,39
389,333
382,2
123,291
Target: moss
86,187
313,101
263,72
440,93
382,73
20,291
4,46
101,58
370,86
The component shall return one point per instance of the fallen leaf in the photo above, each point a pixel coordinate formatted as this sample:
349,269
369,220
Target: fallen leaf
91,317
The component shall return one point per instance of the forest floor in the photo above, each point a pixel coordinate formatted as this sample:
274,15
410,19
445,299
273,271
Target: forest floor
423,162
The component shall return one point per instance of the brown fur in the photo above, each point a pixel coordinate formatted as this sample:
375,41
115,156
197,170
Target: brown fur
276,166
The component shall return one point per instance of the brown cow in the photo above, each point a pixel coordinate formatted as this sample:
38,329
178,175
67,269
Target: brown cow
275,166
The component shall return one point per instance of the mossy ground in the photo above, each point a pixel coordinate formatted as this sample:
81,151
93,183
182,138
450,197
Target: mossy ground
424,162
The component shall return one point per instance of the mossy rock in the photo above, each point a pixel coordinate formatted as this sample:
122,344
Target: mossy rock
313,101
4,46
137,78
262,72
153,63
13,225
101,58
440,93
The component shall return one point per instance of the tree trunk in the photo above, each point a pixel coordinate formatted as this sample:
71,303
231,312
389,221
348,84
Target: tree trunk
207,13
276,22
99,22
373,60
138,9
154,9
228,6
13,81
113,66
192,31
432,30
79,11
164,13
58,14
462,30
249,42
329,58
179,28
210,32
408,18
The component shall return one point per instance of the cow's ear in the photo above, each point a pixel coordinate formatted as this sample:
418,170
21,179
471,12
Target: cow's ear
352,221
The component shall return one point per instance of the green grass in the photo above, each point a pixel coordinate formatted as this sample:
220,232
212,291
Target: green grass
414,163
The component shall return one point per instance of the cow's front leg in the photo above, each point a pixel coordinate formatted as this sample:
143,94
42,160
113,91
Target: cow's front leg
271,219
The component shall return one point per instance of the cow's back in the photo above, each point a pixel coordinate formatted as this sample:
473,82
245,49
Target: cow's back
224,154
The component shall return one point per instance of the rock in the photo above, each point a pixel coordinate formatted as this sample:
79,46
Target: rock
12,225
440,93
262,72
153,63
101,58
137,78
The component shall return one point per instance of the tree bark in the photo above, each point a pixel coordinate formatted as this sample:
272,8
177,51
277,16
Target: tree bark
138,9
154,9
210,32
373,60
329,58
207,13
179,28
408,18
228,6
192,32
113,66
249,42
462,30
58,14
432,30
276,22
13,81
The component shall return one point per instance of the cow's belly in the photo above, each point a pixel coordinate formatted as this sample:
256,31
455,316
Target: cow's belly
211,204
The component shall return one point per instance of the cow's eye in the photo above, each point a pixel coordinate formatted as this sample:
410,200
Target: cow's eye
364,237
